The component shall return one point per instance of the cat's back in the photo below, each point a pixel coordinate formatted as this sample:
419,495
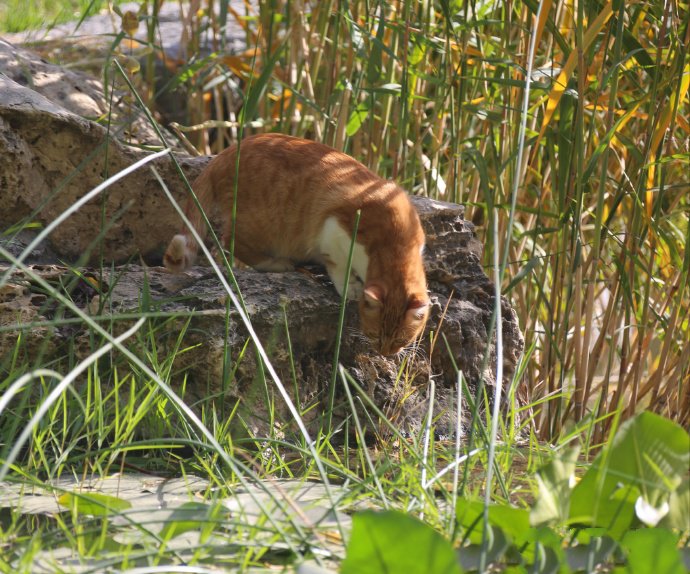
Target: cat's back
275,165
285,151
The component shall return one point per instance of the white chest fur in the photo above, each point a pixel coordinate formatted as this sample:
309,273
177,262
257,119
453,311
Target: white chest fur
334,244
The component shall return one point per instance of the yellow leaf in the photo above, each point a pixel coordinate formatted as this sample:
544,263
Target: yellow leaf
544,16
130,23
661,127
564,77
237,65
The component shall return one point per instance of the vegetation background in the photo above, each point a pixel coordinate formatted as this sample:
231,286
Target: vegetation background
564,127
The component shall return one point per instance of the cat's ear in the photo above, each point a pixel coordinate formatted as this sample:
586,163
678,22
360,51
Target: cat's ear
373,295
417,307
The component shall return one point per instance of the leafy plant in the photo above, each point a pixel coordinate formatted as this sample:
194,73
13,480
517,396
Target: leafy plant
563,128
588,524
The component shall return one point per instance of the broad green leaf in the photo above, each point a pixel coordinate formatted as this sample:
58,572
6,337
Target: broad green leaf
497,546
357,118
593,556
555,481
514,522
679,514
544,551
648,457
94,503
391,542
653,551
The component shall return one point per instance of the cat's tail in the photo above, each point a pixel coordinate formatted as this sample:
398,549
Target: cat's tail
183,248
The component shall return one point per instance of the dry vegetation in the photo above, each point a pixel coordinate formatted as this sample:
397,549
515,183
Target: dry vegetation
564,129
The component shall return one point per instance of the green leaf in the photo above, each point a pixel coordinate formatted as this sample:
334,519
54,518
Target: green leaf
653,551
679,513
514,522
357,118
374,61
191,516
391,542
257,89
544,551
94,503
497,547
592,555
390,88
524,271
648,457
416,55
554,483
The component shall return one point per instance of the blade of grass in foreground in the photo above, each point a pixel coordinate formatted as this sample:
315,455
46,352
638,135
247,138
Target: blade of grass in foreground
260,349
239,469
341,321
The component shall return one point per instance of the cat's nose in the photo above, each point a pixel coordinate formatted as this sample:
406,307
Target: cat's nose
390,350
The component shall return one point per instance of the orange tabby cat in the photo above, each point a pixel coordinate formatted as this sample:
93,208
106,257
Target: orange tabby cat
297,202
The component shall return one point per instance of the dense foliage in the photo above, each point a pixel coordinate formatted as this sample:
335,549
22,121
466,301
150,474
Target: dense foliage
564,129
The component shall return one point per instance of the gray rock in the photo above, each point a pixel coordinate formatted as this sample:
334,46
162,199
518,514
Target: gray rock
78,93
50,157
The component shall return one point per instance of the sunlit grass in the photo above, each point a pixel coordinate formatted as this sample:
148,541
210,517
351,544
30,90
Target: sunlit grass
20,15
581,175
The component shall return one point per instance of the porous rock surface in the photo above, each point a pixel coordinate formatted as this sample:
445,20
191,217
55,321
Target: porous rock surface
50,157
77,92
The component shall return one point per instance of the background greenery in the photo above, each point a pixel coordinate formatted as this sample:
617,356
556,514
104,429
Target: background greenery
579,178
564,129
18,15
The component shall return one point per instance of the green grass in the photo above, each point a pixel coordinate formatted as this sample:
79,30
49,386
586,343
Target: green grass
578,183
20,15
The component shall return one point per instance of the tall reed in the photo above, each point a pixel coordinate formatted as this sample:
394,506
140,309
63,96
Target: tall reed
593,215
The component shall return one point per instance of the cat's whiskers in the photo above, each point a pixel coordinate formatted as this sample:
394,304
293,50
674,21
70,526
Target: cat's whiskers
416,351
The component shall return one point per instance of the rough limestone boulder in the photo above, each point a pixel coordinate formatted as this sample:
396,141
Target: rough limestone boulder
50,157
77,92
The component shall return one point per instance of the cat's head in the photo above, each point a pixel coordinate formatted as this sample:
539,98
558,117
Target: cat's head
392,320
179,255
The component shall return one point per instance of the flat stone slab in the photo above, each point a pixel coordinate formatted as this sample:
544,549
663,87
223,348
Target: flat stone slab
177,510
